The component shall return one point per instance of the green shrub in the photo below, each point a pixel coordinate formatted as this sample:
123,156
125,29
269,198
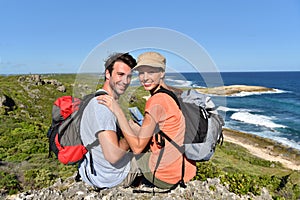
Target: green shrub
9,182
39,178
206,170
241,183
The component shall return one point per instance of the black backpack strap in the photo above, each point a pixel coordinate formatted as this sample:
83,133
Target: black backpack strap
181,182
89,148
221,138
179,148
86,99
157,164
170,93
93,144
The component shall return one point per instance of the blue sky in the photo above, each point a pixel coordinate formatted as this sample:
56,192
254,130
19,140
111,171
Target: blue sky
238,35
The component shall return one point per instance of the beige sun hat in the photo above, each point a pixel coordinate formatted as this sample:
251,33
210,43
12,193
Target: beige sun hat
152,59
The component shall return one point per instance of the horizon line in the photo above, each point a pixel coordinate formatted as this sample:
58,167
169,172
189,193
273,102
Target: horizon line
49,73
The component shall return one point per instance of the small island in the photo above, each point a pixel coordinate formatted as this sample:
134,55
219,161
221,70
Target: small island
234,89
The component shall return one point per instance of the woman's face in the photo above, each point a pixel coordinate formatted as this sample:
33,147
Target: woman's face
150,77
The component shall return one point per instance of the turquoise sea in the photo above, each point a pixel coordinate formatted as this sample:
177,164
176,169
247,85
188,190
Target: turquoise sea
274,115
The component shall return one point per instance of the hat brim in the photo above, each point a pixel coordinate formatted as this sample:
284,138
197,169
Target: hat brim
149,65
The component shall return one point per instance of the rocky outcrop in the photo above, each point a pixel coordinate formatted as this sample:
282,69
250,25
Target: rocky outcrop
61,88
38,80
6,104
234,89
32,86
69,189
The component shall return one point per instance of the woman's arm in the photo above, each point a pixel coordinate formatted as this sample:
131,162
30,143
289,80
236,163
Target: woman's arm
136,140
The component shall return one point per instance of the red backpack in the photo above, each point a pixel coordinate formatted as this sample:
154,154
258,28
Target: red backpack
64,132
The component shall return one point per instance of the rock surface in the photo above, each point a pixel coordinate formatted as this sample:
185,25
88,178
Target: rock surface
69,189
6,103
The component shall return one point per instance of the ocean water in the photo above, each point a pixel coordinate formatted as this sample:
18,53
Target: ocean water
274,115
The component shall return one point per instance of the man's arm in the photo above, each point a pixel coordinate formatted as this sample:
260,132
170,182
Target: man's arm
113,149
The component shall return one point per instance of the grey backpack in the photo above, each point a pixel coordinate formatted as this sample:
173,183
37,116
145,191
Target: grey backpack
203,124
203,128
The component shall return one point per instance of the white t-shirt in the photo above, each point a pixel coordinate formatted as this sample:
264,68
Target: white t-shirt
97,117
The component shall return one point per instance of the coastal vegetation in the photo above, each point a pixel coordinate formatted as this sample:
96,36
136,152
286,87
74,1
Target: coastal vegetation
25,115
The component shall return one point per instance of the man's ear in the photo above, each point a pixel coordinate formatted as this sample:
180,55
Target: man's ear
107,74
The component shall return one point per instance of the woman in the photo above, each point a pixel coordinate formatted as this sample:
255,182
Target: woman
162,166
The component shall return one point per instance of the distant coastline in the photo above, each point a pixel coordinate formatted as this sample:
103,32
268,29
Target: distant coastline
180,72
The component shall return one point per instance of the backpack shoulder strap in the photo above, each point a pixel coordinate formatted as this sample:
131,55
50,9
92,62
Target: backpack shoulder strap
86,99
173,96
93,144
179,148
170,93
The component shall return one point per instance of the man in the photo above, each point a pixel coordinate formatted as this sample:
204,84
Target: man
108,164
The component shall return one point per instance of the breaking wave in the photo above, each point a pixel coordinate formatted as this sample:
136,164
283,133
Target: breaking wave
260,120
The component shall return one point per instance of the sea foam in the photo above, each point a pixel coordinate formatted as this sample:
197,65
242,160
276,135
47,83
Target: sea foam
178,83
260,120
243,94
228,109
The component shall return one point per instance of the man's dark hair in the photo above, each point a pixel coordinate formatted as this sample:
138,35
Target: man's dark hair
121,57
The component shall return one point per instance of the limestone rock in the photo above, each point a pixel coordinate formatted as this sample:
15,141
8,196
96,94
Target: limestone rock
200,190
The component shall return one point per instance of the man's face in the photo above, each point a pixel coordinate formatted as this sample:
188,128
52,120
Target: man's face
120,78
